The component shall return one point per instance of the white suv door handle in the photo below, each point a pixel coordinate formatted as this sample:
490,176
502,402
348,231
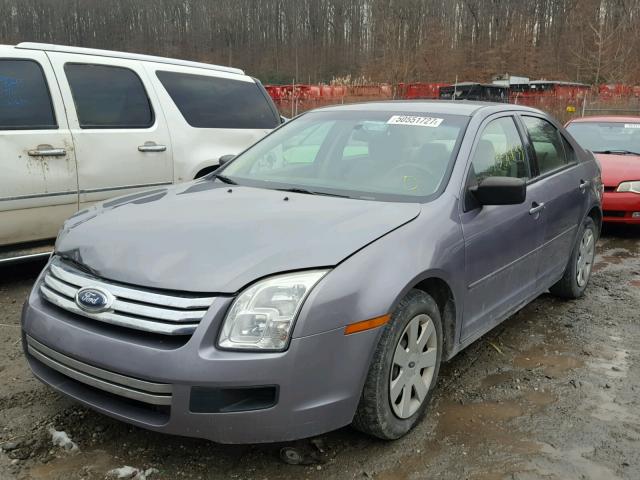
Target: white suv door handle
47,151
152,147
536,208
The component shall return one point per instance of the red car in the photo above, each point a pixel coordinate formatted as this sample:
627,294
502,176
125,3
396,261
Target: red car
615,141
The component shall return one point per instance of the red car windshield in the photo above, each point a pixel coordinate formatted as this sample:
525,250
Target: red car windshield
608,137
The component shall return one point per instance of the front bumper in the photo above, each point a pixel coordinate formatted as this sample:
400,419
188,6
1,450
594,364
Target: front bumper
318,379
618,207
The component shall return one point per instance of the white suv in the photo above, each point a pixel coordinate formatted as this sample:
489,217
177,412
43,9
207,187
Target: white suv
80,125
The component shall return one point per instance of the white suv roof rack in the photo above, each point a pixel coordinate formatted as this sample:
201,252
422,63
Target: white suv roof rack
130,56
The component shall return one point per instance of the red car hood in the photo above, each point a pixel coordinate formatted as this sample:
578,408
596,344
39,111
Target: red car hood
618,168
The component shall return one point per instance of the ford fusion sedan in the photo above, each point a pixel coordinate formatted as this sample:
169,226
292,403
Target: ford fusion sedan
319,278
615,141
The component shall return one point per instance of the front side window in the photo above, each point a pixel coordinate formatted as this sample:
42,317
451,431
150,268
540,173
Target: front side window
607,137
499,152
547,144
216,102
360,154
108,97
25,102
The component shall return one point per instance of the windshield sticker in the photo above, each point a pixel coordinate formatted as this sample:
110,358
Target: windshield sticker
415,121
632,125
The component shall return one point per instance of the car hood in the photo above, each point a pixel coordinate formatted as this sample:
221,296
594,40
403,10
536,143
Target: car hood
210,237
618,168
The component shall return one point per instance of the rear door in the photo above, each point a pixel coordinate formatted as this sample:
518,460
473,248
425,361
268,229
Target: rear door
564,182
38,182
119,130
501,241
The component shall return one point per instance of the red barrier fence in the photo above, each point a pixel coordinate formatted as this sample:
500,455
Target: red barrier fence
546,94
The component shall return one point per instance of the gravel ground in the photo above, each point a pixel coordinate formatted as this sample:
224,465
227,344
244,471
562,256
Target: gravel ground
552,393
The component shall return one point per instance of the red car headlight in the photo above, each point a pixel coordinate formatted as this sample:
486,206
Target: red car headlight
633,187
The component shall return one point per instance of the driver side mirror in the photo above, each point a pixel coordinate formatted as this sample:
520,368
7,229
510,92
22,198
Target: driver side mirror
225,159
500,191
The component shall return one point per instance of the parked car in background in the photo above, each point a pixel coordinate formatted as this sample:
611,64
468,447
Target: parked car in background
615,141
320,277
79,125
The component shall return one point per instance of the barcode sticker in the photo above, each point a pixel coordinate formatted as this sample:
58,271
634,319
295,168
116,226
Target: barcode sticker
415,121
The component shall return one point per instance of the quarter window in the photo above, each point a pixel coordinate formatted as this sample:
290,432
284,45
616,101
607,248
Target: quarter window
569,152
25,102
215,102
108,97
499,152
547,144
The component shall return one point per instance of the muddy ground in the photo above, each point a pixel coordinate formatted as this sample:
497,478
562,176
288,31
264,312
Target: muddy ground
553,393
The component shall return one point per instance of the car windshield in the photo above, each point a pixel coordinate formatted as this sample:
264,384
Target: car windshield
391,156
607,137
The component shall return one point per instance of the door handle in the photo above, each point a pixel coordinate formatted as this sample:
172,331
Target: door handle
536,208
152,147
583,185
47,151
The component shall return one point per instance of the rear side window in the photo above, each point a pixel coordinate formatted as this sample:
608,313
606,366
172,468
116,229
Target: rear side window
25,102
547,143
108,97
213,102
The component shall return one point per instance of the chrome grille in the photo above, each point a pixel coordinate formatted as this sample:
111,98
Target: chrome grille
129,387
134,308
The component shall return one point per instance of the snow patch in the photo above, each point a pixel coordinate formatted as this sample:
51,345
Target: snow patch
131,473
62,440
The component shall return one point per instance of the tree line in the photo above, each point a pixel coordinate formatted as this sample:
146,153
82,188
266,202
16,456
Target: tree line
591,41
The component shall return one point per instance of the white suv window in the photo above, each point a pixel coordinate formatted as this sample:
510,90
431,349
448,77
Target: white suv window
108,97
213,102
25,102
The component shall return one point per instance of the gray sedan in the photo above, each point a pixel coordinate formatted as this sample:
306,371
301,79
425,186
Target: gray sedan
319,278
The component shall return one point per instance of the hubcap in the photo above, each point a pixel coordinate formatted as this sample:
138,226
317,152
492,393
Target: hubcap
414,363
586,252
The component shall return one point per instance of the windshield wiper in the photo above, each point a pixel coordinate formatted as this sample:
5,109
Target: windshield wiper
616,152
310,192
224,179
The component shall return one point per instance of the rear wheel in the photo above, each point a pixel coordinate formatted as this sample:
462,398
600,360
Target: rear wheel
576,277
404,369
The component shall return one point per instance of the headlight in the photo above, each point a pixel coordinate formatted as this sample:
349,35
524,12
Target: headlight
629,187
262,316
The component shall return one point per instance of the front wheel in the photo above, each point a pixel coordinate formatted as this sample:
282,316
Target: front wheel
404,369
576,277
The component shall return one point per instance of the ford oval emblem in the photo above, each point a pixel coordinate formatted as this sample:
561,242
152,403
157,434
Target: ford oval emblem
94,300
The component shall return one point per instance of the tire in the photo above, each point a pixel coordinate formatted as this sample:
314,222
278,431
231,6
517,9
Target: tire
571,285
376,415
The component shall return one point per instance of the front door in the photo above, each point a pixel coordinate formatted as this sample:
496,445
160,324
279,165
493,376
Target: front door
119,130
501,241
38,181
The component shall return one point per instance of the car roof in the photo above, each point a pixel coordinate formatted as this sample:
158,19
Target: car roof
451,107
606,118
48,47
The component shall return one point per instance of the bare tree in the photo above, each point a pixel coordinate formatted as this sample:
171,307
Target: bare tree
384,40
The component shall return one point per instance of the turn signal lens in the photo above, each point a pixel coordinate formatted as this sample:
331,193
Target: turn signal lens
366,325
